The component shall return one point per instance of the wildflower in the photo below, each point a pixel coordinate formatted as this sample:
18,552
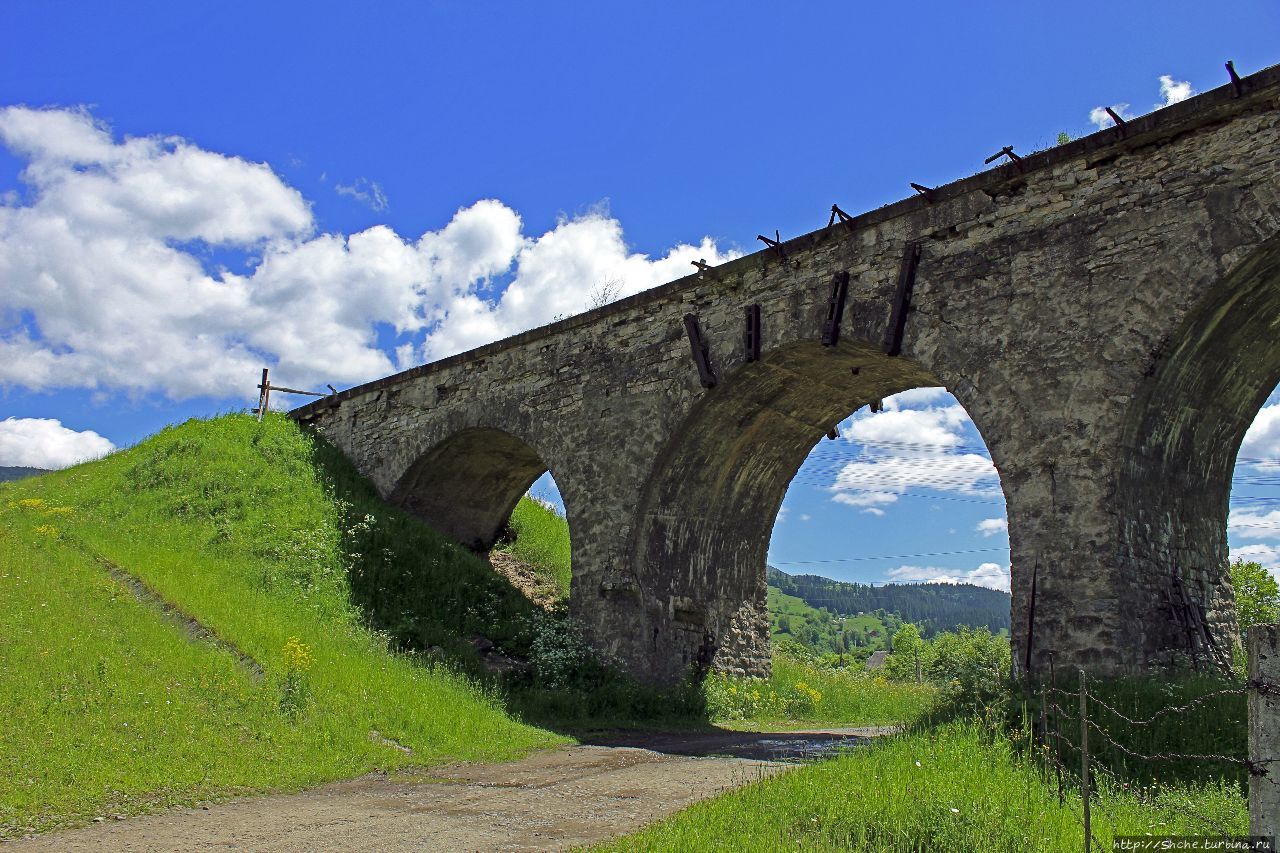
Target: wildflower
46,530
297,655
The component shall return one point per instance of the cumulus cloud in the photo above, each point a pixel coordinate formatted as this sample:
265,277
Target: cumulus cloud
1261,445
902,449
992,526
1266,555
1249,524
1174,91
990,575
46,443
109,282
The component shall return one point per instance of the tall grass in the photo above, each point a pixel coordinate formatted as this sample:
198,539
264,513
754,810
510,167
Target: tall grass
540,537
800,692
112,706
955,788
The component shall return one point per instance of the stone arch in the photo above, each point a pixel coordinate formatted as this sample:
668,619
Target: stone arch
467,485
706,516
1179,446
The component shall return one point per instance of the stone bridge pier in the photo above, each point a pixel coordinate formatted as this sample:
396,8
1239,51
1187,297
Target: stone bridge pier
1107,312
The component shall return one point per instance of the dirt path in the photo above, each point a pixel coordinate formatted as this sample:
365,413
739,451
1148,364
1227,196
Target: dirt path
550,800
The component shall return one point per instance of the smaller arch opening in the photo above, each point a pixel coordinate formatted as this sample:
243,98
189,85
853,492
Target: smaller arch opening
492,492
534,550
467,485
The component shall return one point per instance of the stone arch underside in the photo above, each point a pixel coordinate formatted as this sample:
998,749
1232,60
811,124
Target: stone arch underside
703,531
1180,445
467,485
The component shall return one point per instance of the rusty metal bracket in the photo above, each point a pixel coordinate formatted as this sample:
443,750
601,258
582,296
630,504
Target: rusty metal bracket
833,433
752,336
877,406
1115,116
775,244
835,308
1006,151
901,300
928,192
703,266
1235,78
836,212
701,351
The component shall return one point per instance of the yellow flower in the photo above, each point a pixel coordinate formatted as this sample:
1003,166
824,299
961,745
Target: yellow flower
30,503
297,655
46,530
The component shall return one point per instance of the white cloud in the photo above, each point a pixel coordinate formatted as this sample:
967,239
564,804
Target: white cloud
1261,445
992,526
990,575
46,443
1267,555
1248,524
902,449
804,516
367,192
1098,115
109,283
1174,91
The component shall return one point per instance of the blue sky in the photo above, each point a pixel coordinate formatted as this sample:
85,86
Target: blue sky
188,191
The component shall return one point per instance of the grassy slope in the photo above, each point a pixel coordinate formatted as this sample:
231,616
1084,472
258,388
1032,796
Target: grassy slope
540,537
954,788
110,706
829,630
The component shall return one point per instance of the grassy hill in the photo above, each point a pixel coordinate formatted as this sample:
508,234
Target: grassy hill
827,634
217,610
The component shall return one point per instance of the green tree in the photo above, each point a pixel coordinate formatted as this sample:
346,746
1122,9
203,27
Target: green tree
1257,594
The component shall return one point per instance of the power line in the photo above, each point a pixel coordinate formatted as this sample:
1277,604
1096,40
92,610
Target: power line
889,557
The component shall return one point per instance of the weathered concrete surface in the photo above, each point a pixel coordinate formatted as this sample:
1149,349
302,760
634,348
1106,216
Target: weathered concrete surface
1106,311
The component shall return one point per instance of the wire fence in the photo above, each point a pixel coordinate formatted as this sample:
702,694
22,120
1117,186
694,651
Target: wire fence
1090,742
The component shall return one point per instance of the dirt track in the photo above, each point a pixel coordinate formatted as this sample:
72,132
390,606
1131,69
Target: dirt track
550,800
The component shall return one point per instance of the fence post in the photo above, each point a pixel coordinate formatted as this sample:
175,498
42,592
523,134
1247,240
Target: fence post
264,395
1084,759
1264,729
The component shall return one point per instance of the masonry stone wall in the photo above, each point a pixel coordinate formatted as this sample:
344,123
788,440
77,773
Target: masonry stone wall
1106,311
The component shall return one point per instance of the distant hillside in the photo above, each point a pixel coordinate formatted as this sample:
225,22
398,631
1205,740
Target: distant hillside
14,472
932,606
817,629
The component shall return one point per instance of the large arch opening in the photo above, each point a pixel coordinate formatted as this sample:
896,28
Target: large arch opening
897,519
1182,438
708,512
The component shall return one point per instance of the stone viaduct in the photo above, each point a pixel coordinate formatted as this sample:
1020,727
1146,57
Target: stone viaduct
1108,312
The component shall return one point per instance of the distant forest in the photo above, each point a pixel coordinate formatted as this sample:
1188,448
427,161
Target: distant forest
932,607
18,473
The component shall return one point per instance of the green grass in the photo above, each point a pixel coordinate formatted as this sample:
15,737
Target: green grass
956,788
540,537
800,692
262,535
